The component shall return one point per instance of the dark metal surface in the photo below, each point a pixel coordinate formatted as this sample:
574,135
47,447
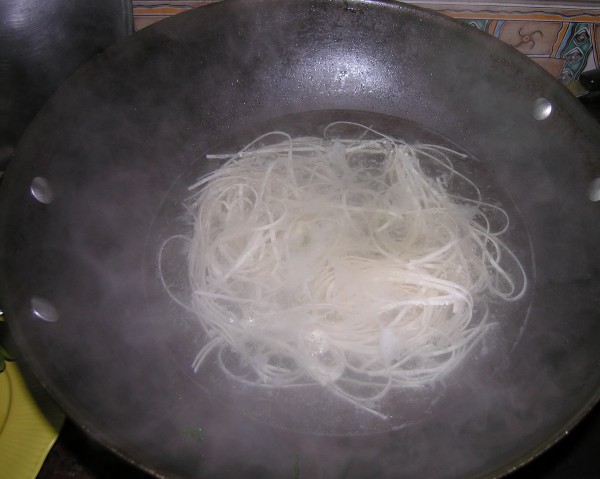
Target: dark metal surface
77,456
42,42
116,137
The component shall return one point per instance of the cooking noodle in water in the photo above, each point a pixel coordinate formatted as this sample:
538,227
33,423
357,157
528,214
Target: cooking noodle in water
353,263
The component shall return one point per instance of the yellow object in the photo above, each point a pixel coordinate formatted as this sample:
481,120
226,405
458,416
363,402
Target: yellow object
29,425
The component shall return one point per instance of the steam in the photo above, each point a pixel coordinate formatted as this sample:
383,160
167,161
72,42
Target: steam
118,145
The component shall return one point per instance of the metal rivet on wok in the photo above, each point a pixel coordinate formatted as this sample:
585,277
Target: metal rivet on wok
40,189
594,190
44,309
542,108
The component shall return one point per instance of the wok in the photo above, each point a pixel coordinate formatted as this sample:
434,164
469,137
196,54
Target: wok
98,185
43,42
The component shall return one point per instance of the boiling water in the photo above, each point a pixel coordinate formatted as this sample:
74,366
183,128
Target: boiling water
312,408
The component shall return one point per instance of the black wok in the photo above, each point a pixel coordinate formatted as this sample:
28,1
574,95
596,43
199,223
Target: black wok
98,183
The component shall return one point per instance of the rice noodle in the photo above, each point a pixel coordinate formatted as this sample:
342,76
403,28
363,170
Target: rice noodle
341,262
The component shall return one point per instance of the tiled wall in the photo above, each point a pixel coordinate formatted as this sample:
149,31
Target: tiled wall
147,12
562,36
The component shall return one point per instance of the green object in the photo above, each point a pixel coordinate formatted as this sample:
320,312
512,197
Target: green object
29,425
7,346
29,419
195,432
296,467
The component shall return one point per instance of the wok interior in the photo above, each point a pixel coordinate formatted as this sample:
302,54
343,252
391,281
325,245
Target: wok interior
313,409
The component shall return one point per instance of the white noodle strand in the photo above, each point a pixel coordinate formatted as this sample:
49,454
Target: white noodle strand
343,263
